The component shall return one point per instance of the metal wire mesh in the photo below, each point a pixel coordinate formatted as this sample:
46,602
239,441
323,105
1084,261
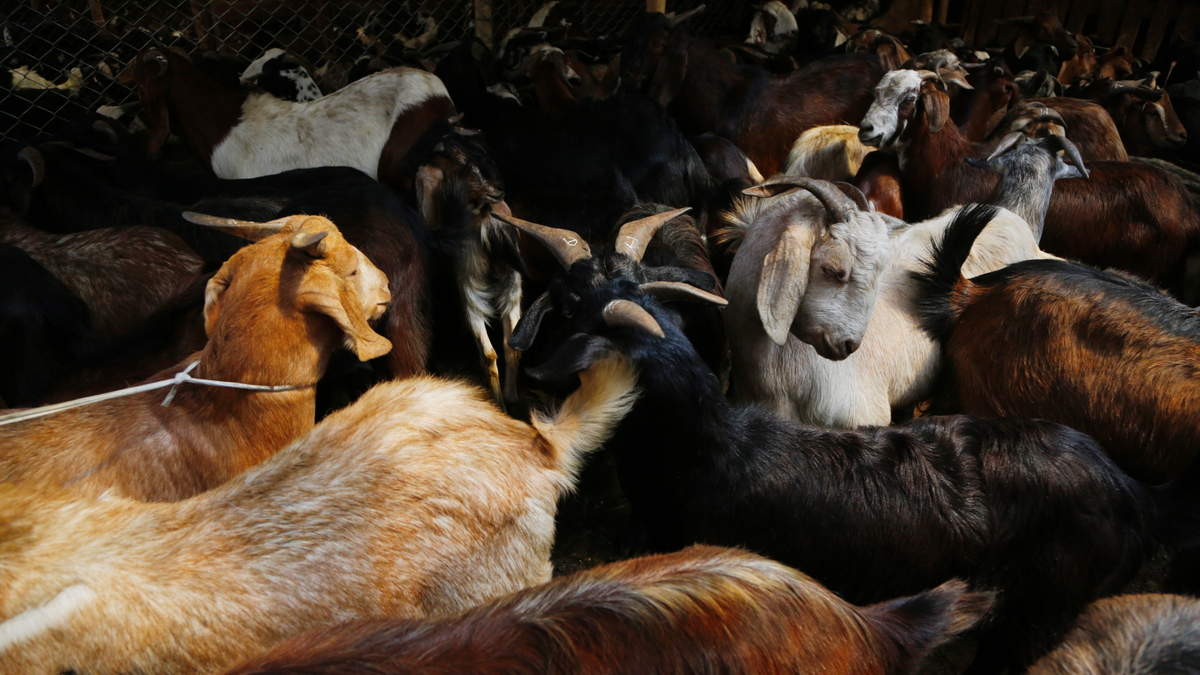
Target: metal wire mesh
62,58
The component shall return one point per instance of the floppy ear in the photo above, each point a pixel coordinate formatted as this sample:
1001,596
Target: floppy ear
212,295
782,281
937,108
346,311
427,181
578,353
671,70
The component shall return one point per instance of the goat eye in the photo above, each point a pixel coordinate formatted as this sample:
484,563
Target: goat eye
836,274
354,273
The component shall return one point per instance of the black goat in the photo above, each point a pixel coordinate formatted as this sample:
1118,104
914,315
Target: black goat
876,512
559,167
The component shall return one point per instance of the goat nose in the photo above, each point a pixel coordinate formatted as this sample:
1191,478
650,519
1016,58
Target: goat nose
850,346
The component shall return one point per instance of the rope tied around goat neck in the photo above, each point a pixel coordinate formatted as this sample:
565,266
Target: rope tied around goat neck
181,377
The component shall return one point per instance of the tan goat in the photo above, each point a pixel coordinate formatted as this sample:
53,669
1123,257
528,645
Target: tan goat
273,313
419,499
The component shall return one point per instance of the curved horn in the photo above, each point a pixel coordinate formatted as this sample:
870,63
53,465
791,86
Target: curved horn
1006,144
635,235
1050,115
680,18
860,200
677,290
1056,142
838,204
106,130
37,164
158,58
567,246
239,228
630,314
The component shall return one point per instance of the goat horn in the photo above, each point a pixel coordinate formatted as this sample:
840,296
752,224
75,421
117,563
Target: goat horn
1006,144
312,243
860,200
677,290
567,246
680,18
245,229
37,163
838,204
625,313
105,129
635,235
1068,147
1050,115
159,59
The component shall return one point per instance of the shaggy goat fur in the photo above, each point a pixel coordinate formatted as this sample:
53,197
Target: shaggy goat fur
421,498
701,610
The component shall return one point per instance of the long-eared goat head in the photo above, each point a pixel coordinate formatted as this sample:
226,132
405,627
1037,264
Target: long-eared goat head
319,273
819,281
152,71
585,272
898,97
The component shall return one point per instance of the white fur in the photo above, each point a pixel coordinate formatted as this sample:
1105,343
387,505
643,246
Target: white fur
543,13
781,36
830,153
883,118
346,128
51,616
256,68
897,363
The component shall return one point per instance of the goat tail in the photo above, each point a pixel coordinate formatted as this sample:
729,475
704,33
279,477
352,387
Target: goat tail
920,623
607,391
941,286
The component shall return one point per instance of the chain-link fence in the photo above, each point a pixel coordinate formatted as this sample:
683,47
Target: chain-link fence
62,58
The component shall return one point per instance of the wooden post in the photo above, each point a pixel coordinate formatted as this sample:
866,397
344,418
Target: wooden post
483,21
656,6
98,16
943,10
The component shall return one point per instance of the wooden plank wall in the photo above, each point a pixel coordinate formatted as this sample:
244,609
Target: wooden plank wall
1142,25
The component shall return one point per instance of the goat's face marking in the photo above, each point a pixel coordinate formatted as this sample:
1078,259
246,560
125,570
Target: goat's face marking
895,100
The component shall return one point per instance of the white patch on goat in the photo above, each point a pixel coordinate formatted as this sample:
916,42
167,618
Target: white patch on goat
830,153
782,34
504,90
306,89
349,127
841,38
50,616
540,16
883,117
256,68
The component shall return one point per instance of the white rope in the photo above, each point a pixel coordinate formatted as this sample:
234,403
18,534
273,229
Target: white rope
180,378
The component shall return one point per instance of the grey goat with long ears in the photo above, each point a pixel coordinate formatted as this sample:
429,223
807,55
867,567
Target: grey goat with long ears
1028,169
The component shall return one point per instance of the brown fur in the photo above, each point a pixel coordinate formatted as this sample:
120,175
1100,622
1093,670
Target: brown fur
123,275
1082,67
701,610
1081,354
553,94
879,180
1089,127
995,93
421,498
268,317
1144,130
415,123
1130,635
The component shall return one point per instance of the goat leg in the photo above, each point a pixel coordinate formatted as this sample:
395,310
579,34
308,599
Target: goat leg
510,312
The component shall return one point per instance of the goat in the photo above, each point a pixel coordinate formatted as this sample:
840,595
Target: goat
1086,124
878,512
891,52
773,28
1042,28
1145,117
1028,171
42,327
419,499
273,314
368,125
1127,635
123,275
1064,333
1126,215
895,365
878,178
1082,67
703,609
283,75
831,153
762,114
995,91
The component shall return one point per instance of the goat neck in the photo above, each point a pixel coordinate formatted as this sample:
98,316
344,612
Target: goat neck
202,111
711,84
933,167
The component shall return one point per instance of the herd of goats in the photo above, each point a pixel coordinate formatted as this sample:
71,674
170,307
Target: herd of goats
892,350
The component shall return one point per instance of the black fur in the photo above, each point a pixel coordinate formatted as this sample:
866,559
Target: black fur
938,283
1033,509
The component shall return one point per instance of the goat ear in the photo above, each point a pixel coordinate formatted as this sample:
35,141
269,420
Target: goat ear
212,295
427,181
671,70
526,329
346,311
937,108
782,281
578,353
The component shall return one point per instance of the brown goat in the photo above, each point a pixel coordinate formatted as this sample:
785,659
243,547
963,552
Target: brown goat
701,610
1130,635
1087,124
1129,216
421,498
879,180
123,275
762,114
273,314
1100,352
1144,115
1082,67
